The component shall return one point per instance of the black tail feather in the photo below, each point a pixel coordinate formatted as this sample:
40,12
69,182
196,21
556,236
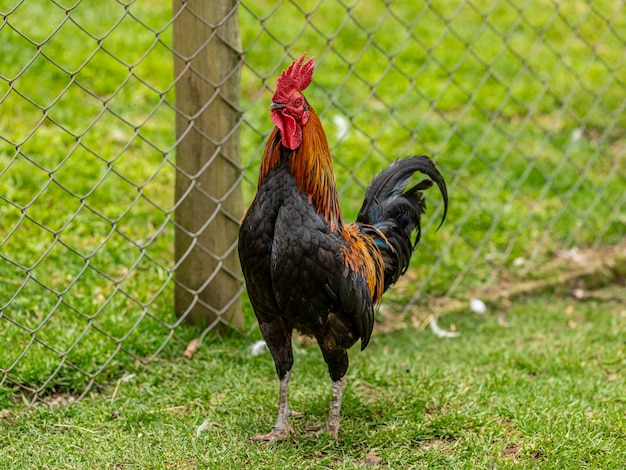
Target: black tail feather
391,215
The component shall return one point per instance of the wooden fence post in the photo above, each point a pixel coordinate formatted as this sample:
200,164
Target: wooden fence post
207,61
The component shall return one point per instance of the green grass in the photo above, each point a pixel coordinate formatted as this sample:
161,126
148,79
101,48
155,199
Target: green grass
493,91
545,391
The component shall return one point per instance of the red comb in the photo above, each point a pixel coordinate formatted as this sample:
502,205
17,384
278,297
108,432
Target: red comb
296,78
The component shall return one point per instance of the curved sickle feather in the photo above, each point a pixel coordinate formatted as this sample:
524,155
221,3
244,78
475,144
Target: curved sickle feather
393,180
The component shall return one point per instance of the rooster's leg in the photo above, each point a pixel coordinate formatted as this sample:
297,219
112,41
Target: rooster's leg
335,408
281,428
278,339
337,360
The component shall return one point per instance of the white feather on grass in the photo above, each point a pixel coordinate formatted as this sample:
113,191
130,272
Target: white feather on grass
478,306
440,332
258,347
206,425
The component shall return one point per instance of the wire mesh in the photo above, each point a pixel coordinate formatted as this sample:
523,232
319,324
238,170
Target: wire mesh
521,104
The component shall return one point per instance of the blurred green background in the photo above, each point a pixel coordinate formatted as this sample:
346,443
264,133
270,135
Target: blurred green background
521,106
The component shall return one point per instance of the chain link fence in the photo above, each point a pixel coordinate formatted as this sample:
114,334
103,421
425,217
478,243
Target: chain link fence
521,104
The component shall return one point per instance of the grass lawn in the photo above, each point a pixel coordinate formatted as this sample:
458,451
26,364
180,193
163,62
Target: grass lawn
521,106
543,387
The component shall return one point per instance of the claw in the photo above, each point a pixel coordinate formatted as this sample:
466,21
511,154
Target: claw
280,431
275,435
317,429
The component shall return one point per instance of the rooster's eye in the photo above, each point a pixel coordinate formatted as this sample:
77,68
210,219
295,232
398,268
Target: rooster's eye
298,102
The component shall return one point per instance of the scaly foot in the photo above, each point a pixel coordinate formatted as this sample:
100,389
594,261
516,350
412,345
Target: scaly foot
333,429
281,428
275,435
295,414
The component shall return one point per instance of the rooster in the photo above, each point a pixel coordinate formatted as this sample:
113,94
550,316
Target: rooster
305,268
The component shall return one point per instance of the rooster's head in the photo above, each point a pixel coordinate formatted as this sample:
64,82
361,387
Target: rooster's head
289,108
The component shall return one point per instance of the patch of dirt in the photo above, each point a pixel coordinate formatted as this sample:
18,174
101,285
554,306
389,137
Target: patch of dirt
187,464
512,450
57,399
537,455
575,272
372,459
441,445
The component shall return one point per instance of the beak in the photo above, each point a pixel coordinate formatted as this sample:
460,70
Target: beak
277,105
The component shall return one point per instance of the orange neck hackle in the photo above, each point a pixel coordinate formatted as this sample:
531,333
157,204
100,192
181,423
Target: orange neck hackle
311,166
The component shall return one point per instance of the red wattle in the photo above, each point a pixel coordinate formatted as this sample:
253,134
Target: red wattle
290,131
